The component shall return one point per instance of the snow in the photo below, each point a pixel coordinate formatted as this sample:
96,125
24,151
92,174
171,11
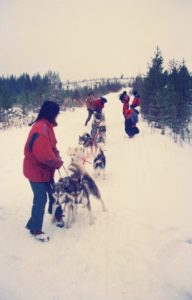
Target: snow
141,248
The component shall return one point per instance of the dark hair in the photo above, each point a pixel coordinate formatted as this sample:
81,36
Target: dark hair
103,100
49,110
135,93
90,94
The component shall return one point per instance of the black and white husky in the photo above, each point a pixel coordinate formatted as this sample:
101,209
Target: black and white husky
98,129
73,190
99,164
86,140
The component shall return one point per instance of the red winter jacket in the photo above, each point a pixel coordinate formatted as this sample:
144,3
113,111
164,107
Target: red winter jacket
128,113
126,99
98,105
90,104
126,104
41,155
136,102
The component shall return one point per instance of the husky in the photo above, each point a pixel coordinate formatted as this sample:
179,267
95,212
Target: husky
73,190
88,142
98,130
99,164
99,117
77,155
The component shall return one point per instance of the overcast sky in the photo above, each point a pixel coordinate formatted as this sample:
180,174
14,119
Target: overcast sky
92,38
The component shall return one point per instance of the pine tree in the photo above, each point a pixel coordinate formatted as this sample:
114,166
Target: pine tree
167,96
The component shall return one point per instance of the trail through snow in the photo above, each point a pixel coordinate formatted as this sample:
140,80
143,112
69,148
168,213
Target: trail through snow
140,249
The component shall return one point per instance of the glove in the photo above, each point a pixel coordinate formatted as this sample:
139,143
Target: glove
58,164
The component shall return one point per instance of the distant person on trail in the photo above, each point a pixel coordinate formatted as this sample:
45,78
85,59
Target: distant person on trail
40,162
126,103
90,108
124,97
94,105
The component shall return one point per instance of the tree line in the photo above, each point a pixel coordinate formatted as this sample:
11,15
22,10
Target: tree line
166,96
29,92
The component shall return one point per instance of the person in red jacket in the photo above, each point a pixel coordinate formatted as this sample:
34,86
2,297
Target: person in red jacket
90,107
40,162
94,105
124,97
99,104
126,103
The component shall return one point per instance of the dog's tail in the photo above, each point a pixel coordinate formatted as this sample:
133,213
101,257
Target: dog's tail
91,185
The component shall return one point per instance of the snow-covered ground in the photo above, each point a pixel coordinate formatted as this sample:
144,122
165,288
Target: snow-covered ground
140,249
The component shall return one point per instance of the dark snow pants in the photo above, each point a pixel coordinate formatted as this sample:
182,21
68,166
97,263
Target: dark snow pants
40,191
130,128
